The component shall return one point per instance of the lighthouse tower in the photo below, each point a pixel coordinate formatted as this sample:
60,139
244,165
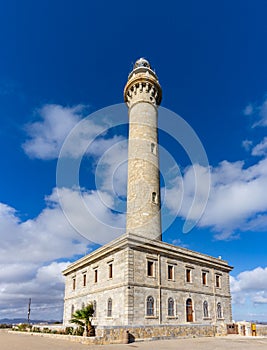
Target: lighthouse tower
142,95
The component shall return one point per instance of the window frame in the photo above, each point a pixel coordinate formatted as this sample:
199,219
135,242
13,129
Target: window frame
73,283
109,308
204,278
188,275
110,270
170,272
84,279
150,308
205,309
219,310
95,275
170,307
150,268
217,281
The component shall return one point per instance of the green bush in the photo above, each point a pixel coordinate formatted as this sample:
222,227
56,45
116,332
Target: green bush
36,329
69,330
79,331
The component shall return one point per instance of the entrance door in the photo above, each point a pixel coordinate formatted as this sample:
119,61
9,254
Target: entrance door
189,310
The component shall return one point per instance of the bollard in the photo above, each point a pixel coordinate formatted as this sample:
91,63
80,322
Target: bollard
125,339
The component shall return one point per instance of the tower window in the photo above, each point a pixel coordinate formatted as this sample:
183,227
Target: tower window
170,307
150,268
154,197
109,313
170,272
73,283
153,148
150,306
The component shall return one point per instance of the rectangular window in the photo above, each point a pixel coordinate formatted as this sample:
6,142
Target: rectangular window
217,281
84,279
204,278
188,275
73,283
110,270
150,268
95,274
170,272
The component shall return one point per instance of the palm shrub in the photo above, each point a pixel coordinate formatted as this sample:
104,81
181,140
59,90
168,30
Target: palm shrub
83,317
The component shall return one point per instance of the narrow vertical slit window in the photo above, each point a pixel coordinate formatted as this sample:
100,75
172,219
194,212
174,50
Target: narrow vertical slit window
204,278
73,283
219,310
154,197
84,279
170,307
95,275
109,313
94,306
110,270
205,309
153,148
72,310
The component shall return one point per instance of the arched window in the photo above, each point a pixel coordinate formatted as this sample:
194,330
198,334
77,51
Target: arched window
94,306
72,310
205,309
150,306
219,310
109,313
189,310
154,197
170,307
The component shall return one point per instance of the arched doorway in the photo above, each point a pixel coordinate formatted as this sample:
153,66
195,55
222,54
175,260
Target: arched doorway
189,310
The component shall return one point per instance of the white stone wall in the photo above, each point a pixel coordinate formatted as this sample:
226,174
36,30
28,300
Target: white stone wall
130,286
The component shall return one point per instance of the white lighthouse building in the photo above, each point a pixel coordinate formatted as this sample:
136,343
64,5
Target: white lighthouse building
137,282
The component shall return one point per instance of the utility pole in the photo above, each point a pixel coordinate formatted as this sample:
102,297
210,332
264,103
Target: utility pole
29,310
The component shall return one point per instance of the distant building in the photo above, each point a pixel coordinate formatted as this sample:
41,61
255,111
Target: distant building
137,280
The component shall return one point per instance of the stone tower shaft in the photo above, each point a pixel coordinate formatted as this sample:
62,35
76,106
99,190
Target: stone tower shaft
142,95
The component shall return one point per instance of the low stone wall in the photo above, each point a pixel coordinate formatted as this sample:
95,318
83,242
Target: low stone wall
119,335
155,332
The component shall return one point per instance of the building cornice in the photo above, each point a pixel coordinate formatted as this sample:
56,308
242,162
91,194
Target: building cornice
154,247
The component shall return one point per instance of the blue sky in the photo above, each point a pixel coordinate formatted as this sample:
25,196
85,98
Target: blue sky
61,61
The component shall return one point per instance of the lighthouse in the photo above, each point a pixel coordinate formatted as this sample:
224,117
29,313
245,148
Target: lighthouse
142,94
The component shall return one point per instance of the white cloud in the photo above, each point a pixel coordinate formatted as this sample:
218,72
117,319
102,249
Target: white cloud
228,208
248,110
247,144
261,148
259,111
29,248
249,294
45,286
47,135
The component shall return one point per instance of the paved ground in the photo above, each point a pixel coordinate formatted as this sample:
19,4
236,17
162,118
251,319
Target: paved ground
13,341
